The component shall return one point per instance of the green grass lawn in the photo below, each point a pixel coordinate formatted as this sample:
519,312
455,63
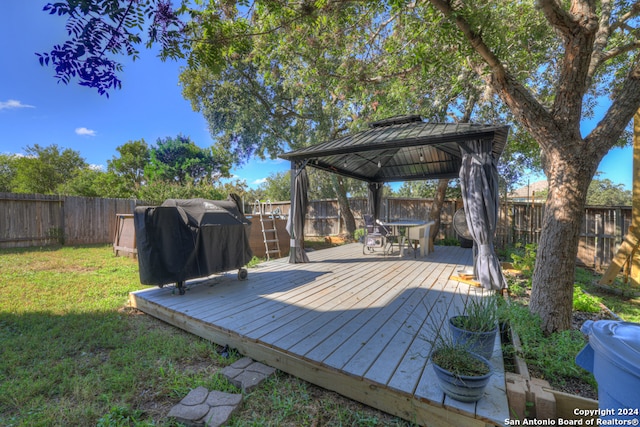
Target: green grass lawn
73,354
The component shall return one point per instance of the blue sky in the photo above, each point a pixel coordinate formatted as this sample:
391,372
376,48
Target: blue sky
35,109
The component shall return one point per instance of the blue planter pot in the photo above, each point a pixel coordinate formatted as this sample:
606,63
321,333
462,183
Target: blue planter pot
476,342
461,387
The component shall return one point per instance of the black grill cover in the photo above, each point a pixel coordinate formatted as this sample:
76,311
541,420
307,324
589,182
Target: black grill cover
187,239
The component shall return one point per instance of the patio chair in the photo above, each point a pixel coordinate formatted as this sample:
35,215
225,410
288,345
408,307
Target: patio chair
375,236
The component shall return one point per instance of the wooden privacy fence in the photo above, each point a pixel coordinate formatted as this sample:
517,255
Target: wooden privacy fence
602,230
40,220
603,227
323,216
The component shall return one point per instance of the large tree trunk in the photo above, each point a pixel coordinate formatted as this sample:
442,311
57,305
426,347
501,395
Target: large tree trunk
569,176
343,204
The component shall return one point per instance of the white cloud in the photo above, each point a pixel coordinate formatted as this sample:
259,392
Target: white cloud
12,103
259,181
85,132
97,167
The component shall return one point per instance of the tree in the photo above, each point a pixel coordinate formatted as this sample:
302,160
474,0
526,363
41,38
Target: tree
156,192
7,172
179,160
276,187
43,169
546,65
91,182
605,192
134,157
427,189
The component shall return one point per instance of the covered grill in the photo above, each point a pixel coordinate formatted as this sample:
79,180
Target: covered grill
188,239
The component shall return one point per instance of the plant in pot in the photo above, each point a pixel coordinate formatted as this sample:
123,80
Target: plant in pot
463,375
477,327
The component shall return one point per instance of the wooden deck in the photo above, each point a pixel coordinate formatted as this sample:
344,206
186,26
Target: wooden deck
356,324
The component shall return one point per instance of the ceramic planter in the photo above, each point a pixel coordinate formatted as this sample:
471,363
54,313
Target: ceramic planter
476,342
461,387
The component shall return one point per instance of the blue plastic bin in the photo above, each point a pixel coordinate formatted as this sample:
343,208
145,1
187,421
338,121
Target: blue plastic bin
613,356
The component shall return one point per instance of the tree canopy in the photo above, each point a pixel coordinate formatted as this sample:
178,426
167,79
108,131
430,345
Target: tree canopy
43,169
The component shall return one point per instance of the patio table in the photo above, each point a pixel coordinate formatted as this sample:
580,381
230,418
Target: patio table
397,226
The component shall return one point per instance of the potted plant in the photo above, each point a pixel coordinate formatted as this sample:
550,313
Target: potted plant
463,375
478,326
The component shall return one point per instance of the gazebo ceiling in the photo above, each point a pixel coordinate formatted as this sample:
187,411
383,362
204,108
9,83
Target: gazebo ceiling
400,149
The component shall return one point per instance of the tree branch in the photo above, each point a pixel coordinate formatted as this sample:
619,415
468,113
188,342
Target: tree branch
578,28
624,106
623,19
522,103
601,39
558,17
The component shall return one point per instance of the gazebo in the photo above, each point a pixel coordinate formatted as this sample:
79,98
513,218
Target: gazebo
404,149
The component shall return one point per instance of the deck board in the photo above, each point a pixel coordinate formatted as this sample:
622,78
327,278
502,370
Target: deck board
358,324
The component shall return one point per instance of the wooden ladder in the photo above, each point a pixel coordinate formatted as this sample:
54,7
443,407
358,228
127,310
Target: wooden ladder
269,231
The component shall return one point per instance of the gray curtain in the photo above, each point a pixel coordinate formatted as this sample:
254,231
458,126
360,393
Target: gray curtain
479,185
298,212
375,199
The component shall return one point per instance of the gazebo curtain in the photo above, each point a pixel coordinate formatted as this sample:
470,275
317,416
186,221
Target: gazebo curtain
375,199
295,222
479,185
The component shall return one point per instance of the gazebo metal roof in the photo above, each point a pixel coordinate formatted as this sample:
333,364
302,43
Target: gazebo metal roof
400,149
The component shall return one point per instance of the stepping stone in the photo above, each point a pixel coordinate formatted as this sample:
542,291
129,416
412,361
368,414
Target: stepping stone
204,408
247,374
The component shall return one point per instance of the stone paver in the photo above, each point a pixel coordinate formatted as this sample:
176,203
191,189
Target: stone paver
202,407
247,374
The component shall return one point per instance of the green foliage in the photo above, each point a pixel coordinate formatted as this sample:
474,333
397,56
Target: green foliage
458,361
90,182
277,187
134,157
427,189
43,169
448,242
119,416
156,192
524,259
480,314
552,355
179,160
7,172
584,302
605,192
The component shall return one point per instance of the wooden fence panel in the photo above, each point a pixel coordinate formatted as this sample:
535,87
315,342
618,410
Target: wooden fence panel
30,220
325,217
602,230
93,220
42,220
